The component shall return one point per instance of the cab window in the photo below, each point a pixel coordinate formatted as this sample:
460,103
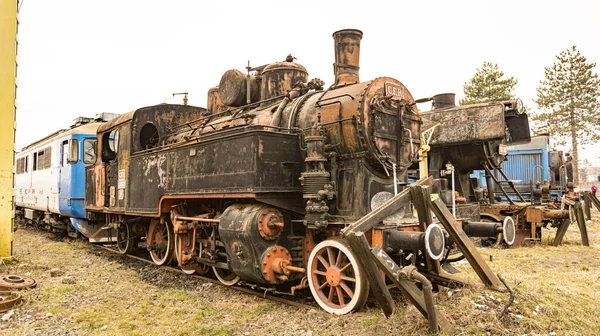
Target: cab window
89,150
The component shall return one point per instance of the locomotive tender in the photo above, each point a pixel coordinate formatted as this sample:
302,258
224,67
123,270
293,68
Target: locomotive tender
258,186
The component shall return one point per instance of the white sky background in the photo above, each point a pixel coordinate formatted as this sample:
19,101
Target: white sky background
81,57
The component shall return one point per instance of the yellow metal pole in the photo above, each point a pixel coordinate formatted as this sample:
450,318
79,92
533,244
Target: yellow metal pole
8,90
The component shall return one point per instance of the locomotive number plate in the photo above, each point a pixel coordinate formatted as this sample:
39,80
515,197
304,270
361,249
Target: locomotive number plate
392,89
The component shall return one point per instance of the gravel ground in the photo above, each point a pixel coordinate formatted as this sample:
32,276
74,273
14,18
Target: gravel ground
83,290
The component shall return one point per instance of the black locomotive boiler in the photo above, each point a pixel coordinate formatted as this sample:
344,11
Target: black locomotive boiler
259,186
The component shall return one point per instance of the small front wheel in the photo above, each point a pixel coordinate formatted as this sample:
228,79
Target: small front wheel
336,280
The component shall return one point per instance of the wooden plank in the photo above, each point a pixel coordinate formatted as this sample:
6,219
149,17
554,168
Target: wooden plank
587,203
408,288
387,209
562,230
421,197
595,201
359,245
581,223
466,245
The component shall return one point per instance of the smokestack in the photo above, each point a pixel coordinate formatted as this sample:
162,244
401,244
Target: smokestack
444,100
347,56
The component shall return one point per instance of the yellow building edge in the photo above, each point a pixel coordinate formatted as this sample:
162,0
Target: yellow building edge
8,89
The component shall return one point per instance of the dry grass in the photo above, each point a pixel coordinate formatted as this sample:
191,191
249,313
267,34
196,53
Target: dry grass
558,289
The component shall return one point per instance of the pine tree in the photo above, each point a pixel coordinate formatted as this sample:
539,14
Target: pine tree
570,99
488,85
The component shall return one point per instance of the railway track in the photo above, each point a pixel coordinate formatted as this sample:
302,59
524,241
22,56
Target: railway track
264,294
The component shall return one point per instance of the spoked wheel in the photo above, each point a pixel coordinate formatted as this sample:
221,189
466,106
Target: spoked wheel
160,242
192,267
225,276
335,278
125,240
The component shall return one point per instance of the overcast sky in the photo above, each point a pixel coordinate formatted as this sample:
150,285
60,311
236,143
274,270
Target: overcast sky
81,57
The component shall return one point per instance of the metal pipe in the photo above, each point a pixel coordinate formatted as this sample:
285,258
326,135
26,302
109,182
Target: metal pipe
296,269
453,194
197,219
295,93
535,170
414,275
511,298
395,180
248,92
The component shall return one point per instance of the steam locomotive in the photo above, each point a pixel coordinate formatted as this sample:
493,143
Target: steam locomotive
258,186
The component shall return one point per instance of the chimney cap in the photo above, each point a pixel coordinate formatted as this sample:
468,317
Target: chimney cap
355,31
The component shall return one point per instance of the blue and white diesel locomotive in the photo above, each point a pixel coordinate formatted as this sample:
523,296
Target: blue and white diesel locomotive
50,179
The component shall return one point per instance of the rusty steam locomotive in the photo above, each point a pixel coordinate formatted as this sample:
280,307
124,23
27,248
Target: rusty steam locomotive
259,186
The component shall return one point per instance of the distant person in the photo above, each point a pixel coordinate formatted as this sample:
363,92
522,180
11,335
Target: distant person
594,189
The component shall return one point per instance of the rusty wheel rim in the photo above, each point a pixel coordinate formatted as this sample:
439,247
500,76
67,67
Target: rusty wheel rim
124,242
225,276
160,238
335,278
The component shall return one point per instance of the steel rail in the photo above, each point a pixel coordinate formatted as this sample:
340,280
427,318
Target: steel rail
262,294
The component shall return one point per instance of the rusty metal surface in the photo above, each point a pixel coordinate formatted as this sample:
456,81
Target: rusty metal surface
233,88
275,264
15,282
466,124
347,56
533,215
9,300
280,77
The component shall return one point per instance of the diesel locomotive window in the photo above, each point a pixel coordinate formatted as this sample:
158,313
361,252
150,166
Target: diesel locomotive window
40,160
65,153
22,165
74,151
149,136
89,150
47,157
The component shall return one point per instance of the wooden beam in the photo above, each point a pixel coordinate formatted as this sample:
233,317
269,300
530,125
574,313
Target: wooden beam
466,245
359,245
